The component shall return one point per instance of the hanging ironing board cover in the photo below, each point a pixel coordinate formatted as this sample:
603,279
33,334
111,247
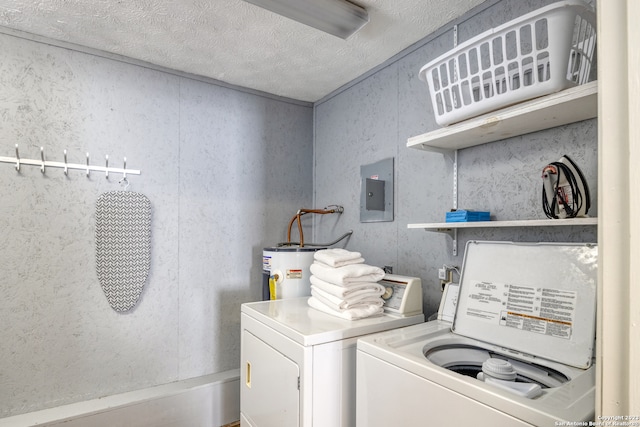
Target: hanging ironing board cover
123,246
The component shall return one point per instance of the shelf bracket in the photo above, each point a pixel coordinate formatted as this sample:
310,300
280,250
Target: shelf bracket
452,155
455,180
454,238
453,233
455,35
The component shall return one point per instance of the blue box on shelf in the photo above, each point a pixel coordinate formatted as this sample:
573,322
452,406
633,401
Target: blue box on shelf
463,215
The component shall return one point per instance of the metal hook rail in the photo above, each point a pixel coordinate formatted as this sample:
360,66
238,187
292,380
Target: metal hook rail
44,164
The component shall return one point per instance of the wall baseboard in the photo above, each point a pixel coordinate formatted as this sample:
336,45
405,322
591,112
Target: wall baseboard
210,400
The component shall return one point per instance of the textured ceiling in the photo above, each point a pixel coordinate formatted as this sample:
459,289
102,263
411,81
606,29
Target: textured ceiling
234,41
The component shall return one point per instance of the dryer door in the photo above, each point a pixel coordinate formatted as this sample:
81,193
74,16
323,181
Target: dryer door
270,394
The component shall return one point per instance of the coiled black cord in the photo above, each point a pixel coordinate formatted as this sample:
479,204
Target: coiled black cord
572,205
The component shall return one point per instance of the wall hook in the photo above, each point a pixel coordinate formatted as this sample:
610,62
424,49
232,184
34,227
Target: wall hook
17,159
66,168
106,166
125,183
42,157
88,165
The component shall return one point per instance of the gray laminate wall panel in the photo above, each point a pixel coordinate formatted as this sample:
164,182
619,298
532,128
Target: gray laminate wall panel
224,171
503,177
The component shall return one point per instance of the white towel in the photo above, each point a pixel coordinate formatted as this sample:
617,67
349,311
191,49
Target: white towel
350,291
337,257
348,274
351,314
340,304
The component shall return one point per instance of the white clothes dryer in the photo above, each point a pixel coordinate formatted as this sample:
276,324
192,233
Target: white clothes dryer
298,364
518,353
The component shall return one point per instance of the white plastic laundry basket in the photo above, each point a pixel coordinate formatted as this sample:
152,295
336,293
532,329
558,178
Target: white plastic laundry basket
542,52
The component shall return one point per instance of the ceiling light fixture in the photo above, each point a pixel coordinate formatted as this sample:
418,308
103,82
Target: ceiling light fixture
337,17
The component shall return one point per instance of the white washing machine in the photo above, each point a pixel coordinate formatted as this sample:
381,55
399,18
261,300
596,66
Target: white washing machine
523,310
298,364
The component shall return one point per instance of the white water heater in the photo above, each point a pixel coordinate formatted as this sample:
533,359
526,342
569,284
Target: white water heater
287,268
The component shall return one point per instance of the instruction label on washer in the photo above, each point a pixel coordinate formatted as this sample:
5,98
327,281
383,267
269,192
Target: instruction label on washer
540,310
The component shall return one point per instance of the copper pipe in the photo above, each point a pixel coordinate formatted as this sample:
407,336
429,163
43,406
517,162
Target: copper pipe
289,230
297,217
300,230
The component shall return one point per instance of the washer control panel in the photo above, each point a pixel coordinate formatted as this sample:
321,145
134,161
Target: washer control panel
403,295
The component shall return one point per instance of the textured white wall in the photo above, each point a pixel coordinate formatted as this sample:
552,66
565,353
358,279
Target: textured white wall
372,120
224,171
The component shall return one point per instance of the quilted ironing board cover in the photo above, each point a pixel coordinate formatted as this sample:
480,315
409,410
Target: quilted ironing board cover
123,246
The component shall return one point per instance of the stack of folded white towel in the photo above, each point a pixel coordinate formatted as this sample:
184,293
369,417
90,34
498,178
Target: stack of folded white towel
344,286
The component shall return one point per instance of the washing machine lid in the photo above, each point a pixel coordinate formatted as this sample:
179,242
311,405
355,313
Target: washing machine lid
535,299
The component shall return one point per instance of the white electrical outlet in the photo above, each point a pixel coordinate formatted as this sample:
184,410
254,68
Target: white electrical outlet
442,273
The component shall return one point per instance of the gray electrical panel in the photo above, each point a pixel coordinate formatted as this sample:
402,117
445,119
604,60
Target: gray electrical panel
376,199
